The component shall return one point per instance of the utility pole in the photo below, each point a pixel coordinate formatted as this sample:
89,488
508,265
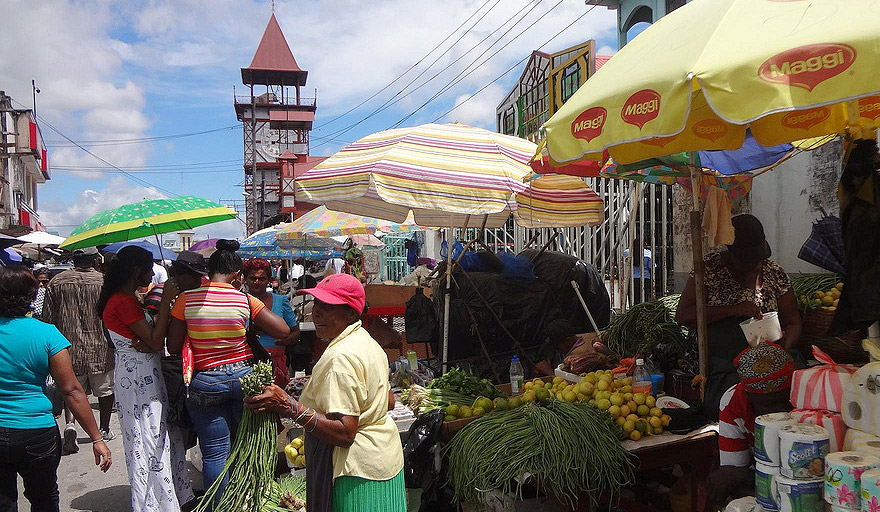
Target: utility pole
5,107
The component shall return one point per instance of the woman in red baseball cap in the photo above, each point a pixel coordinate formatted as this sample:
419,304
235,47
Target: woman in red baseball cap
355,459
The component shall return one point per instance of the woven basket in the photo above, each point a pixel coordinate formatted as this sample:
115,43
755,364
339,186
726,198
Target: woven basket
816,323
843,349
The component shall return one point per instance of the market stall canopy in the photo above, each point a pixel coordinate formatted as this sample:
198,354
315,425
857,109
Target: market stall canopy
702,75
8,241
265,244
158,253
558,201
322,222
9,256
445,173
41,238
151,217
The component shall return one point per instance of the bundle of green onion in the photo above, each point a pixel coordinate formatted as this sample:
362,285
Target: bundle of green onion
287,494
424,400
252,461
567,447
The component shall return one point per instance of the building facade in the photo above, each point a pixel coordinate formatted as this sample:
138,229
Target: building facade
24,164
276,119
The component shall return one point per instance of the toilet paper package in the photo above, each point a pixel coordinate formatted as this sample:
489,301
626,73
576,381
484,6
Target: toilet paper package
821,387
802,451
765,485
858,441
843,473
833,421
870,490
800,495
767,436
861,400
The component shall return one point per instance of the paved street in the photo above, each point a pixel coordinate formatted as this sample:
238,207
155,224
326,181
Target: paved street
82,485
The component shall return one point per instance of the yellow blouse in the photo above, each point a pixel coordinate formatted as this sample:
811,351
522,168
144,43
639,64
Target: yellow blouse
351,379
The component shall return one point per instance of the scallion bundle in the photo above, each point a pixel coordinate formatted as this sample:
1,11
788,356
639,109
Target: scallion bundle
252,461
424,400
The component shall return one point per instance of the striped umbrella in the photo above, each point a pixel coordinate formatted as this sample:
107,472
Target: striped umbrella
445,173
324,222
146,218
558,200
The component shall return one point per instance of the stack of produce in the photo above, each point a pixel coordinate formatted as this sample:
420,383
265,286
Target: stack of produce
817,395
635,413
481,406
465,384
252,460
424,400
295,452
817,291
287,494
566,447
649,328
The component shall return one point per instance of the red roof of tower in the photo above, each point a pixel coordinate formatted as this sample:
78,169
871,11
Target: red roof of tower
273,63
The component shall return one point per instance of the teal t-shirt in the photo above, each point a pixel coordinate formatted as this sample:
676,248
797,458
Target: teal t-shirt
26,344
281,307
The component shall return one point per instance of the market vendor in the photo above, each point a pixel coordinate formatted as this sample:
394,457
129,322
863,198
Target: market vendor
765,374
741,283
353,450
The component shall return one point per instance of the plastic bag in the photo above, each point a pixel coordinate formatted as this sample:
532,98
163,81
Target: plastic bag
516,267
420,319
54,396
417,456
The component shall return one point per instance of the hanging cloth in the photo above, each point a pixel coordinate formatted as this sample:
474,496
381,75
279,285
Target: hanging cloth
717,219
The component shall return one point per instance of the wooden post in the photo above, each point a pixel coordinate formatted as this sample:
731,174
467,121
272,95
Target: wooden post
699,271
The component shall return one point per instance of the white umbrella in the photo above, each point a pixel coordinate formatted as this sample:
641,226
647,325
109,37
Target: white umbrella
41,238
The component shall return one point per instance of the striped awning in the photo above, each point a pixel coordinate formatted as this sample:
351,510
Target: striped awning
445,173
324,222
557,200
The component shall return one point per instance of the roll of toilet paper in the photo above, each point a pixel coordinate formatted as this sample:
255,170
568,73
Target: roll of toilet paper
862,442
765,485
767,436
835,508
870,490
799,495
802,450
843,472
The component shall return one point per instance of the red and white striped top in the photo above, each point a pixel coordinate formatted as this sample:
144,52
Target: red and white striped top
216,317
736,428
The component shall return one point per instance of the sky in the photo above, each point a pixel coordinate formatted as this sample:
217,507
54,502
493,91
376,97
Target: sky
147,86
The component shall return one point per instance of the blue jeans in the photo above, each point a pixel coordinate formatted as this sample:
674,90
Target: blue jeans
215,406
33,453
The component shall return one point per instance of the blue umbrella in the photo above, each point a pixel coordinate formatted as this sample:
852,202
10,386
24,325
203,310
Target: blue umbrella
10,256
157,252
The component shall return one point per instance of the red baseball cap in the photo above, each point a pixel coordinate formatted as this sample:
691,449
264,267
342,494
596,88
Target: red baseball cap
339,289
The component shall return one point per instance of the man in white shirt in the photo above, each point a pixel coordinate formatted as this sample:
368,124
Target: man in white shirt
160,275
334,266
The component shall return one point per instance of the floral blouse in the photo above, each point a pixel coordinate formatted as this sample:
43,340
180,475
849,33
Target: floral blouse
723,290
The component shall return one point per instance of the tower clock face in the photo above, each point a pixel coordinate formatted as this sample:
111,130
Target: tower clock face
270,143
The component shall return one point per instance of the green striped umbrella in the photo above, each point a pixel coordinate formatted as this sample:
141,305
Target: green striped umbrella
146,218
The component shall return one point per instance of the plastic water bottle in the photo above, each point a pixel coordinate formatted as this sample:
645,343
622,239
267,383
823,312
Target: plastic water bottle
642,379
517,375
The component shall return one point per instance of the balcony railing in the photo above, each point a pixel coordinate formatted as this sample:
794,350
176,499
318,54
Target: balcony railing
272,99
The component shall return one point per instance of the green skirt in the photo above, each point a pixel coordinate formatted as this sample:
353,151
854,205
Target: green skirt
356,494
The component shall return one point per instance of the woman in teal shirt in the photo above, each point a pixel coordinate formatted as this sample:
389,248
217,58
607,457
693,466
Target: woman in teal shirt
30,444
257,273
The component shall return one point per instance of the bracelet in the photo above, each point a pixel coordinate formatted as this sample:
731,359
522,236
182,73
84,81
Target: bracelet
99,440
315,416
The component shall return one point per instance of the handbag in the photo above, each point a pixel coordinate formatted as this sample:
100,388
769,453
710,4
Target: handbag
253,339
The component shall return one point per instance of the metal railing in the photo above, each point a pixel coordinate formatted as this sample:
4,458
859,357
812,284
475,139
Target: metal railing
275,100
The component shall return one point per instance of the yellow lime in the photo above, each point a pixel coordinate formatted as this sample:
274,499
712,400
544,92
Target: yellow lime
632,417
839,287
639,398
602,385
569,396
617,399
819,295
665,419
528,385
627,395
592,402
500,404
828,300
657,430
635,435
466,412
603,404
297,442
557,380
582,397
628,426
529,396
452,410
542,394
642,427
654,421
586,388
624,410
449,418
621,421
514,402
614,410
650,401
538,382
478,411
656,412
632,406
643,410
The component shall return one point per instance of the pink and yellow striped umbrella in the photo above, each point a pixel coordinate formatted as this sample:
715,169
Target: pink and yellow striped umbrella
558,201
326,223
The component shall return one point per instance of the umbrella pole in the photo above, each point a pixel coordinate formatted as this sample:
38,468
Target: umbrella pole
161,252
699,271
448,298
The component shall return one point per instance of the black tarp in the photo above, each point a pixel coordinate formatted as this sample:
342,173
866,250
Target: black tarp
525,308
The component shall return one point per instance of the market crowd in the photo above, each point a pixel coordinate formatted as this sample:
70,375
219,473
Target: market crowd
115,326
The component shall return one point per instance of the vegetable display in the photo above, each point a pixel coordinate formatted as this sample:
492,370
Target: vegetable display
566,447
252,460
424,400
645,326
287,494
466,384
817,291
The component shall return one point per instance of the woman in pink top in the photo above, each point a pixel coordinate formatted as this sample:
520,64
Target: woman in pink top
215,318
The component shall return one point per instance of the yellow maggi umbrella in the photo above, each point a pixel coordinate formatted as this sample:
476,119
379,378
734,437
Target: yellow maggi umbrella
700,76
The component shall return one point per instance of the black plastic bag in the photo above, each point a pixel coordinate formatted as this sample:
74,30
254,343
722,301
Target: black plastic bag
417,456
420,319
172,371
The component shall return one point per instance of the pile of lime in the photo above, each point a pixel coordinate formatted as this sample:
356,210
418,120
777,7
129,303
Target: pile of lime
295,451
481,407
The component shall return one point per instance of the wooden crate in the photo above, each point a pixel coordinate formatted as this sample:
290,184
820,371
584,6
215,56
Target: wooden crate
382,295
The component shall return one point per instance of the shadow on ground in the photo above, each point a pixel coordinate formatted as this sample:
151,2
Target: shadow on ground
110,499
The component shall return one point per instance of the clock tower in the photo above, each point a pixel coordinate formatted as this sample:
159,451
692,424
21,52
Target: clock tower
276,121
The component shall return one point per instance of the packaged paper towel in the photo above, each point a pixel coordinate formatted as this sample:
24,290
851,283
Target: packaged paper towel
820,387
843,472
765,485
833,421
800,495
861,400
802,450
767,436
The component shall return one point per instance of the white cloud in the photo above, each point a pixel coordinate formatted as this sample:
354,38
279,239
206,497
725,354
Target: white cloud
606,50
477,110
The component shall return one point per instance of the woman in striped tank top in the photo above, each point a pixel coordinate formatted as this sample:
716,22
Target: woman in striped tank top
215,317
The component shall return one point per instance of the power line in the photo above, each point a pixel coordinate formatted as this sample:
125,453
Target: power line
132,177
511,68
458,78
436,47
137,140
105,170
397,98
